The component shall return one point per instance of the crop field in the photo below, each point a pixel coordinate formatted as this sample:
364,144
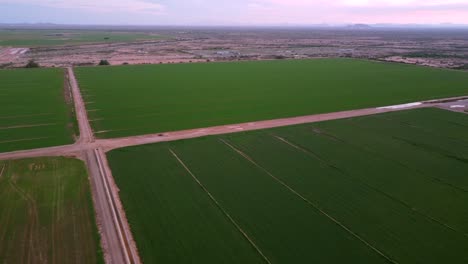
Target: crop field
136,100
46,213
34,112
377,189
32,38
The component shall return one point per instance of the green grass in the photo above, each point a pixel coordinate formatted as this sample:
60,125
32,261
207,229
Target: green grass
46,212
34,113
177,226
33,38
397,180
173,220
134,100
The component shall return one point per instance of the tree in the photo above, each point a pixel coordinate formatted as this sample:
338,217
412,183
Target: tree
32,64
104,63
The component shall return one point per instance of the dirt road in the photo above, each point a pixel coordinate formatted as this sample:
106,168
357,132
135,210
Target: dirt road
117,241
458,104
109,144
86,133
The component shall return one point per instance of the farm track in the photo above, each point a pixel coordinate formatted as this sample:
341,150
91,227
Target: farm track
117,241
110,144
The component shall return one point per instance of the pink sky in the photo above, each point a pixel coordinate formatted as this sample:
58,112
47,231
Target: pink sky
360,11
234,12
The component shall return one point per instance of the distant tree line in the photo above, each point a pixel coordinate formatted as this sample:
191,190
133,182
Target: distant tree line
104,63
32,64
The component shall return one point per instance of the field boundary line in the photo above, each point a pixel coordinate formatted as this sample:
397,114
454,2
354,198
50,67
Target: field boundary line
27,126
23,139
382,155
259,251
245,156
377,190
1,172
309,153
19,116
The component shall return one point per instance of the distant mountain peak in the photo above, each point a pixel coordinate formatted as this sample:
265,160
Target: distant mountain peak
359,26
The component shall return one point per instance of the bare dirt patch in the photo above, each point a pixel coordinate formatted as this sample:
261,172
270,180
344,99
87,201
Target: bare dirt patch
439,48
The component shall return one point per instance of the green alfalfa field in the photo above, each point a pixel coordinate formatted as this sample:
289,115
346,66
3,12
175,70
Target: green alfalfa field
36,109
46,212
144,99
375,189
40,38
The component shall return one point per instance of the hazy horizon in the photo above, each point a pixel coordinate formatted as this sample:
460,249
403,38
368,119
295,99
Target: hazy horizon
234,13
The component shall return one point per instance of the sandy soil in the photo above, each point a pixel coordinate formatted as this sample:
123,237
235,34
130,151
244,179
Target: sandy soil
430,62
447,49
13,55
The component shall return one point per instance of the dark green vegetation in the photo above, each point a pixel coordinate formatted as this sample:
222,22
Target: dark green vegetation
134,100
181,224
31,38
32,64
46,212
463,67
34,112
36,109
104,63
398,181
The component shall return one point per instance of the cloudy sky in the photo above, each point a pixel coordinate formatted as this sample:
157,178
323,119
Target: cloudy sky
233,12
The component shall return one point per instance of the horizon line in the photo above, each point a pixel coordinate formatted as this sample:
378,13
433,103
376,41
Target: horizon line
323,25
